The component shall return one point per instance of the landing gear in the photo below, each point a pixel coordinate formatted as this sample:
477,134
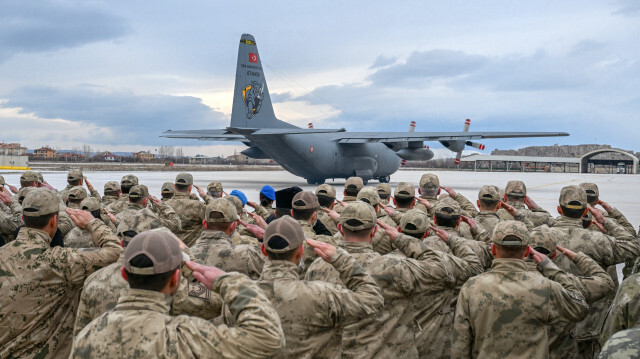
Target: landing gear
315,180
384,179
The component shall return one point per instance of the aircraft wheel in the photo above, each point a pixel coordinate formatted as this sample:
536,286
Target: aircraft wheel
365,182
315,181
384,179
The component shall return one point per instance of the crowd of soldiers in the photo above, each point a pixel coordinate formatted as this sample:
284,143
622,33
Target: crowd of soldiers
404,272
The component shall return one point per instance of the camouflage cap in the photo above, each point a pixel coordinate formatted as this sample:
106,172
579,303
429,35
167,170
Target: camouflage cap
489,193
515,189
223,206
40,177
130,180
235,201
448,207
283,235
573,197
29,176
74,174
383,189
543,237
139,191
305,200
357,216
167,188
414,221
326,190
369,195
23,192
354,183
77,193
591,189
90,204
404,190
588,217
184,179
510,233
112,186
214,187
429,181
160,246
40,202
2,182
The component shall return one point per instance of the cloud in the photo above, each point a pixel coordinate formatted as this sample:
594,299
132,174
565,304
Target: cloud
383,61
41,26
629,8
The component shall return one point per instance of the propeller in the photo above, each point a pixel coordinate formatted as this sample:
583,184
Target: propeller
310,124
477,145
412,126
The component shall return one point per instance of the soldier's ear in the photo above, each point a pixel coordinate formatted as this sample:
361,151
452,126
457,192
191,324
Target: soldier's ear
493,249
340,229
124,274
527,251
373,231
264,251
554,255
419,191
560,210
204,223
291,212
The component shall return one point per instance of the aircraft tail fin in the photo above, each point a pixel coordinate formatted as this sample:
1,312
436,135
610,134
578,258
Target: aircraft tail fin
252,107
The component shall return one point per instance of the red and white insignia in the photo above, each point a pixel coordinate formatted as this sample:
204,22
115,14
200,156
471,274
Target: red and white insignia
253,57
311,149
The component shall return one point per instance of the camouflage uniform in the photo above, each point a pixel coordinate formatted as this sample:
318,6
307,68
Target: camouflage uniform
622,345
74,175
10,219
625,309
488,219
327,190
401,276
191,212
384,190
140,326
144,217
354,183
39,286
430,182
110,187
537,216
123,201
504,313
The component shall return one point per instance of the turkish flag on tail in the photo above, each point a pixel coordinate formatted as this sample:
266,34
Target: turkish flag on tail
253,57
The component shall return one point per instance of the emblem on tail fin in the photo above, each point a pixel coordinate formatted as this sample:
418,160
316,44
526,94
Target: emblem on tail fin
252,95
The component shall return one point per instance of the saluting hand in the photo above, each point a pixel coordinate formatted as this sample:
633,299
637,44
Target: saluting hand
450,191
200,191
509,208
392,232
79,217
254,229
537,256
567,252
597,215
259,220
13,189
335,216
607,207
390,211
205,274
424,202
531,204
470,221
444,235
324,250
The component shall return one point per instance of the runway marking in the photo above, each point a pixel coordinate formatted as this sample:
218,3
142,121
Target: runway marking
551,184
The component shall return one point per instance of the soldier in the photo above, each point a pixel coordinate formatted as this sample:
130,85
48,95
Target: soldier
75,178
384,191
604,249
312,319
242,235
215,190
167,191
381,242
390,333
81,238
305,211
404,199
75,195
29,179
102,289
283,202
430,189
140,325
352,186
505,313
40,284
214,247
158,215
489,203
111,192
121,204
327,198
625,309
190,209
10,216
515,194
267,196
622,345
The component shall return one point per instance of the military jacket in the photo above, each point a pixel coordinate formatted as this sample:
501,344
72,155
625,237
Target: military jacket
120,204
144,218
503,313
140,327
191,212
309,255
488,220
328,222
214,248
313,313
622,345
390,333
108,199
339,207
64,194
39,290
625,309
538,216
468,209
10,219
264,212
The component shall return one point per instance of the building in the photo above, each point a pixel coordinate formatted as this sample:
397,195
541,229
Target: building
12,149
13,156
44,153
144,156
107,156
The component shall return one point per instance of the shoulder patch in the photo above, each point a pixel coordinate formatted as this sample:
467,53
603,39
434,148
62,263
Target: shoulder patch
198,290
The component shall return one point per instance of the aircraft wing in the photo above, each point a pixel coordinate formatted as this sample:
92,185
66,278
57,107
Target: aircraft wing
390,137
205,135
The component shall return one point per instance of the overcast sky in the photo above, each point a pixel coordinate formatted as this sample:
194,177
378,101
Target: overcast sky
116,74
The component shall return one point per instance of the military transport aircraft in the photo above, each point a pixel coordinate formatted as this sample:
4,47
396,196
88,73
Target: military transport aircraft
319,154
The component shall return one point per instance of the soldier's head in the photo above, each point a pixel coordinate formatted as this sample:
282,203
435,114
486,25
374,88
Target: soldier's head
352,186
152,261
184,182
447,213
404,196
284,197
326,195
29,179
93,205
545,241
573,202
384,191
2,182
236,202
414,223
593,194
429,185
489,198
75,177
40,210
139,195
369,195
304,207
241,196
510,240
112,188
75,197
283,240
267,196
358,222
127,182
215,189
515,191
587,220
220,215
167,191
23,192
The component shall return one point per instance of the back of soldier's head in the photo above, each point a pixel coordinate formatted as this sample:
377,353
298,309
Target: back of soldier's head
167,190
304,205
515,191
429,184
282,238
414,223
220,214
593,193
326,195
75,177
573,201
511,239
357,220
353,185
111,188
489,197
404,195
447,213
38,207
